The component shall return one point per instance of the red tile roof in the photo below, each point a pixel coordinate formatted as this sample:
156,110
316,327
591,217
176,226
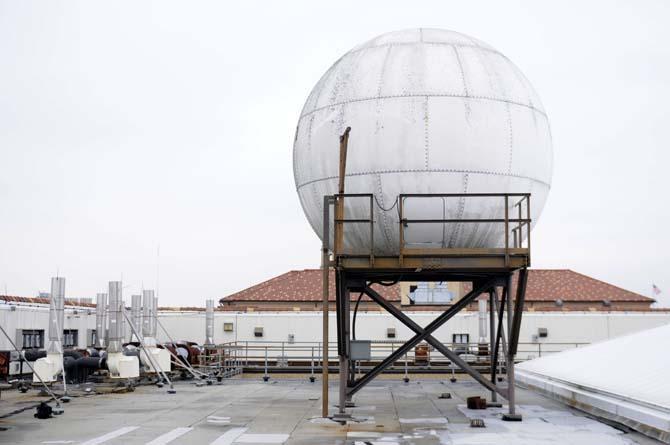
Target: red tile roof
37,300
568,285
543,285
301,286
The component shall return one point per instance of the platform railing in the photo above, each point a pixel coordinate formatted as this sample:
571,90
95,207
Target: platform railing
515,218
513,226
278,356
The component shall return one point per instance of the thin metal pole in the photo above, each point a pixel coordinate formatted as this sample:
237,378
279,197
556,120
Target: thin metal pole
325,304
187,365
506,231
312,363
155,365
48,390
62,356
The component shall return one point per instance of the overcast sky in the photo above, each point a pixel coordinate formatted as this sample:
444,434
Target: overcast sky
125,126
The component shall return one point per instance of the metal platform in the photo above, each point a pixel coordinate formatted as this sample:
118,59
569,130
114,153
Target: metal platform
489,269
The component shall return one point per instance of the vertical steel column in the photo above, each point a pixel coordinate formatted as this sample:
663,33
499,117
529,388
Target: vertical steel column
510,356
492,342
343,339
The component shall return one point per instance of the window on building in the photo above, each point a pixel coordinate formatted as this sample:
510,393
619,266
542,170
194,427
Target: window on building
33,338
94,337
70,338
460,338
424,293
461,343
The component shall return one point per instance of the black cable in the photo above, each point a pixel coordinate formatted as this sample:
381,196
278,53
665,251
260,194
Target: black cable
353,323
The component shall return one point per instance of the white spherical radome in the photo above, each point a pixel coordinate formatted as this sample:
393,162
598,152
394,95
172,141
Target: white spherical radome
430,111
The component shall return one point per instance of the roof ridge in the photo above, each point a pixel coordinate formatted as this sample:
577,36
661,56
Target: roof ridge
611,285
261,285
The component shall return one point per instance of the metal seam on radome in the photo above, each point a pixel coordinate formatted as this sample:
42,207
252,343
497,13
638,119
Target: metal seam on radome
379,87
416,170
459,45
511,138
387,235
508,111
402,96
461,210
426,147
460,67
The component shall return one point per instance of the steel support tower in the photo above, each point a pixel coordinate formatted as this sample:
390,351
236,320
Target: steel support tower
489,270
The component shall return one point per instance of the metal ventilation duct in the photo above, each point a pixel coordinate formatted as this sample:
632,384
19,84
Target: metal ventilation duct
115,317
100,328
56,315
136,312
149,314
483,320
209,323
147,305
154,317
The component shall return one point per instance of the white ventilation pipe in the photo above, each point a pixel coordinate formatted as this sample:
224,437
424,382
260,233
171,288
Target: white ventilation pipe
209,323
483,321
56,315
154,316
115,317
136,314
151,356
48,368
147,307
119,365
100,328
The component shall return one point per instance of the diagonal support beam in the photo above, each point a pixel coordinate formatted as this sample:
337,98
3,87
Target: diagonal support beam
451,355
432,327
500,334
518,311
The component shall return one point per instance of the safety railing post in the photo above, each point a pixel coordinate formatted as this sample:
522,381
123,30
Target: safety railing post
406,378
506,230
312,366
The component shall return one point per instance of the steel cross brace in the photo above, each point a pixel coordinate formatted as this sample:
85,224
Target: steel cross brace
421,335
451,355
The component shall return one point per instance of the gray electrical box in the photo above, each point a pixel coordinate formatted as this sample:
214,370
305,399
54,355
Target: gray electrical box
258,331
360,349
542,332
